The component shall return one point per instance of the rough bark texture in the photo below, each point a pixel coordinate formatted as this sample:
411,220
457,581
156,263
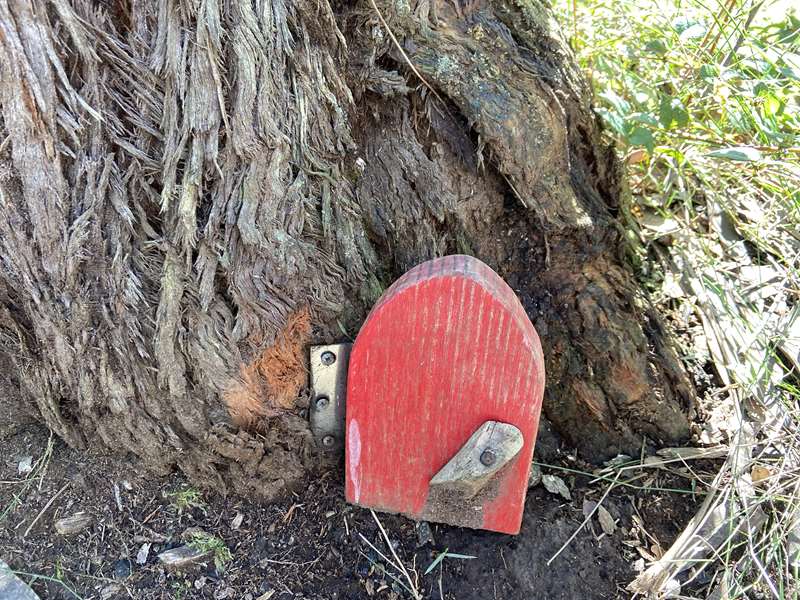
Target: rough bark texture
191,191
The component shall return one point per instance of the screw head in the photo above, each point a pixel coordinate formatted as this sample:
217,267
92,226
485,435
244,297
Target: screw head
328,441
328,358
322,402
488,458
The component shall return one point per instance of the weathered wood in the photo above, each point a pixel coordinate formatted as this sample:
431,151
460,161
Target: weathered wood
182,557
487,451
447,348
73,524
192,193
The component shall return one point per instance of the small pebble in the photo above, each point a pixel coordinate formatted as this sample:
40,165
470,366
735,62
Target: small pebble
424,534
25,465
144,551
535,478
122,568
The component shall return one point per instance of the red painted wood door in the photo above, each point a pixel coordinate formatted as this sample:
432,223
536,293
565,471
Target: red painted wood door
446,348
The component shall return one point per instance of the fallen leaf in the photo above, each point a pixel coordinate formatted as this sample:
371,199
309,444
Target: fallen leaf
607,522
556,485
656,550
588,507
644,553
237,521
637,156
759,473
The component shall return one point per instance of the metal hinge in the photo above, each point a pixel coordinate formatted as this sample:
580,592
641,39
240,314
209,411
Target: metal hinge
328,391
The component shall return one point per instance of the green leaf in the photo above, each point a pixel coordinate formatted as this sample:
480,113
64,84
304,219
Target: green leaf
656,46
436,562
680,112
619,103
740,153
612,119
665,114
771,104
708,72
672,110
645,118
444,555
640,136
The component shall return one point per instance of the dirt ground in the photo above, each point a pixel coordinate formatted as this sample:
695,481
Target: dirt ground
310,545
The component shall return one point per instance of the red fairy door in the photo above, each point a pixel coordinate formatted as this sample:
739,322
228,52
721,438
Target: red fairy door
444,392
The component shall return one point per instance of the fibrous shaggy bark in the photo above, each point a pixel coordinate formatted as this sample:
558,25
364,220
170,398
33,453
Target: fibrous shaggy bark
192,191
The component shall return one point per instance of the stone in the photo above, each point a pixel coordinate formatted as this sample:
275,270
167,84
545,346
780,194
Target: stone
424,534
182,557
535,478
12,587
73,524
142,554
122,568
25,465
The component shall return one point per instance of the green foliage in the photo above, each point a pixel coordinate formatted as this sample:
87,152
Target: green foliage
204,542
186,499
446,554
180,589
695,90
703,102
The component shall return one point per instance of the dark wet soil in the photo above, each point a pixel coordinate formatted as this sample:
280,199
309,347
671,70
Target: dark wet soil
312,545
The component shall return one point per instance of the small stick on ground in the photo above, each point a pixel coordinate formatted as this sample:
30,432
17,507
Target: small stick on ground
397,563
46,506
586,520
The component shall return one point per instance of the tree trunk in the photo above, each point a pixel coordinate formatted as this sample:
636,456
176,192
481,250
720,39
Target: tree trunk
193,191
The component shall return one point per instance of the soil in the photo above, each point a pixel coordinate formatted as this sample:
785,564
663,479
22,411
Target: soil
311,544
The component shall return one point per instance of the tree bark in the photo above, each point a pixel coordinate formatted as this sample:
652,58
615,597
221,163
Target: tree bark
193,191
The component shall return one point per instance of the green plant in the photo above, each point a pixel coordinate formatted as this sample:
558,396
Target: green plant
185,499
210,544
179,589
446,554
702,98
699,97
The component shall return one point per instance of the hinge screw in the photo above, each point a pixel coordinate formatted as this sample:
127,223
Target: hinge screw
322,402
328,358
328,441
488,458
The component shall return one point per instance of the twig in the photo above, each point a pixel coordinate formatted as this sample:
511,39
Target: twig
389,573
46,506
586,520
394,554
402,52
